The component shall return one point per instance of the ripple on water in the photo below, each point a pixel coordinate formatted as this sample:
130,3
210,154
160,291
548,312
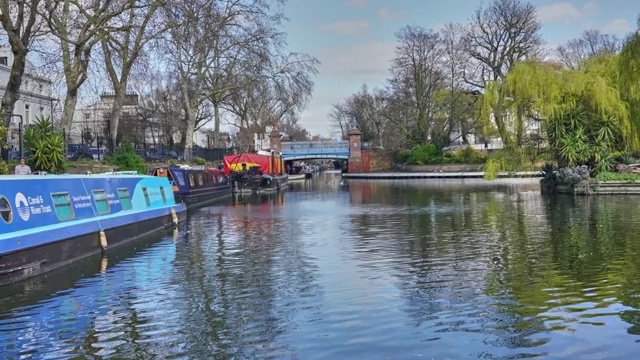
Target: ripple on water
373,270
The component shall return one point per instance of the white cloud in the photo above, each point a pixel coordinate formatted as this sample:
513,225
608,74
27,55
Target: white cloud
618,26
565,11
354,27
357,3
386,14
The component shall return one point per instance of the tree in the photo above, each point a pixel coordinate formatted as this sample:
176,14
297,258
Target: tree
121,50
79,25
458,102
497,37
19,20
416,72
584,116
591,43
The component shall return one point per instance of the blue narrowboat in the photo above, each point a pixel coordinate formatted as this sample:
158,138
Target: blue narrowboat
52,220
195,186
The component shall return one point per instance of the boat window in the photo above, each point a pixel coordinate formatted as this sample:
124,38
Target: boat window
62,205
164,197
179,178
192,182
5,210
102,203
200,179
125,199
146,196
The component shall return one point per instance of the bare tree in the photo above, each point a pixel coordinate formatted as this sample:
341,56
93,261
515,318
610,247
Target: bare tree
19,20
121,50
416,72
590,43
80,25
498,36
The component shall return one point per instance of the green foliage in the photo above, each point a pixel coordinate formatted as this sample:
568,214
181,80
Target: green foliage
492,167
403,157
199,161
125,159
424,154
469,155
549,180
48,154
627,159
172,162
47,146
4,168
614,176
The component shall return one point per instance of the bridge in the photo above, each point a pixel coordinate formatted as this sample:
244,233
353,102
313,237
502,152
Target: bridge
300,150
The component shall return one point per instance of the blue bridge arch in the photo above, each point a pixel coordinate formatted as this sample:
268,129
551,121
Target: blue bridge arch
300,150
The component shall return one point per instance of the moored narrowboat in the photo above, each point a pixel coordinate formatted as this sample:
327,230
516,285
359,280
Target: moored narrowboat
52,220
195,186
256,172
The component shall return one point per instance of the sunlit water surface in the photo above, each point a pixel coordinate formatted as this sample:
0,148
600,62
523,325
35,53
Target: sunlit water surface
371,270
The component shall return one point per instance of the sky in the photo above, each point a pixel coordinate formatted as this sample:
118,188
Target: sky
354,40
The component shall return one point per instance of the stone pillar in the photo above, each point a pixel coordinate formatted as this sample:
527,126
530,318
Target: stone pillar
275,141
355,151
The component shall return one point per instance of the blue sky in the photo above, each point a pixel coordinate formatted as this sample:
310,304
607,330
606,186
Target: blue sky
354,39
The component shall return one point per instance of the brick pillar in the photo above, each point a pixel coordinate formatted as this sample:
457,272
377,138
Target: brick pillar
275,141
355,151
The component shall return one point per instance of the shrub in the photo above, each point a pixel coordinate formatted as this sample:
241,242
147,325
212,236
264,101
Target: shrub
612,176
549,180
469,155
403,157
4,168
47,146
424,154
199,161
125,158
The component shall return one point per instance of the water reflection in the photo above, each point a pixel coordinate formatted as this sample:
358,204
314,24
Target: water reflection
398,269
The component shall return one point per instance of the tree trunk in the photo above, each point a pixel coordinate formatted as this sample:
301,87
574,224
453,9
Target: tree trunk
216,126
69,109
12,91
116,109
188,134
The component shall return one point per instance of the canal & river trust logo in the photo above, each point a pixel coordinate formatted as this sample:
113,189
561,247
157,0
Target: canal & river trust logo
22,206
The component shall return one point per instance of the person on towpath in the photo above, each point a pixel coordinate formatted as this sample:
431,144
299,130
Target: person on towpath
22,169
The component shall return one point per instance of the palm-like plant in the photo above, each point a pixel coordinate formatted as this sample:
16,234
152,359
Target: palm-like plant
47,146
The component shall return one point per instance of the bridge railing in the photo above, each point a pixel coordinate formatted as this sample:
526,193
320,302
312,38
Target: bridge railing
314,146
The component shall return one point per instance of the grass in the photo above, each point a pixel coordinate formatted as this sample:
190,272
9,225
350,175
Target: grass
612,176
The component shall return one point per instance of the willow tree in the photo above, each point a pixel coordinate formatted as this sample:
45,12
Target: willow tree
583,114
628,74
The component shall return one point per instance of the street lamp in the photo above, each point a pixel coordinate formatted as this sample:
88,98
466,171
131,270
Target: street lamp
9,116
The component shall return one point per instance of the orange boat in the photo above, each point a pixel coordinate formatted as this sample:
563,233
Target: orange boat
256,172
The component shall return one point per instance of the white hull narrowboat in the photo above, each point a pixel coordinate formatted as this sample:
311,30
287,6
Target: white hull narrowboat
50,221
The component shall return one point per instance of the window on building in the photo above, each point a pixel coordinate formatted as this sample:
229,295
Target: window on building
62,205
4,61
27,114
125,198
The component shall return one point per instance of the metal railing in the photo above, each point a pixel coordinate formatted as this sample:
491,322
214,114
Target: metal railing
314,147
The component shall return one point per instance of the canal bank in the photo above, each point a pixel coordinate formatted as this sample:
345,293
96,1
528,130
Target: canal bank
438,175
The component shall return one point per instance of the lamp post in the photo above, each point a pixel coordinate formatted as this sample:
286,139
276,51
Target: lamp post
9,116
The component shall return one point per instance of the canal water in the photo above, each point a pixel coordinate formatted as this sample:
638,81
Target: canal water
434,269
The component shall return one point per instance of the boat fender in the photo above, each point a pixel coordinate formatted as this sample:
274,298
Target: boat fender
103,240
174,217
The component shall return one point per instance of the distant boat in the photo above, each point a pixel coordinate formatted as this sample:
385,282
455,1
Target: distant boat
297,177
52,220
256,172
196,185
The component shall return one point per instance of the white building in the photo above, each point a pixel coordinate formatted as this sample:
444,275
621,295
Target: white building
35,95
95,117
